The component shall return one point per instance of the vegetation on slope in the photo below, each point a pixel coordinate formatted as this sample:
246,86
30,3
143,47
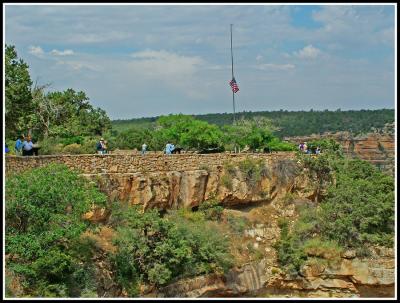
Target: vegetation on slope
357,212
48,253
44,209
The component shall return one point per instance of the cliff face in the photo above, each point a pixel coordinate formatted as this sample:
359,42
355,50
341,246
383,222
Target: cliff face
349,278
262,200
258,193
377,147
232,187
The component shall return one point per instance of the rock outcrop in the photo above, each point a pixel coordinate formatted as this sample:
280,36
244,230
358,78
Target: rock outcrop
347,278
376,147
175,189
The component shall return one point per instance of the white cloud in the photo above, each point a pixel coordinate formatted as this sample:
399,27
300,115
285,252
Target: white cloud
79,65
259,57
272,66
177,71
36,51
308,52
163,63
66,52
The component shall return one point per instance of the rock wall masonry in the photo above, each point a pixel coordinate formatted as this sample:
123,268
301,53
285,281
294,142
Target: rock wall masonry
119,163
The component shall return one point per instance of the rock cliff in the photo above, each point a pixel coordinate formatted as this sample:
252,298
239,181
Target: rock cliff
376,147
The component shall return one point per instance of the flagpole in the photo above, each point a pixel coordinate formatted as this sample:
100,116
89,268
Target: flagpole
233,93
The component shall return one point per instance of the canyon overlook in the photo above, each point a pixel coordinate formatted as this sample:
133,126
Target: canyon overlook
187,180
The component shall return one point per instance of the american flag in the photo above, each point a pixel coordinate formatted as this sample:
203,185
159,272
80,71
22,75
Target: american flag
233,84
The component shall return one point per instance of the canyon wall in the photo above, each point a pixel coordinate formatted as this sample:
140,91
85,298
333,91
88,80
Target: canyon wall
377,148
260,182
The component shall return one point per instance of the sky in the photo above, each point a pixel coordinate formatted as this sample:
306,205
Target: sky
149,60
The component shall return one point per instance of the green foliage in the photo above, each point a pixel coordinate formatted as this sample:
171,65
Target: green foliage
237,224
360,207
226,180
357,212
253,170
44,209
326,145
53,146
66,114
18,99
319,248
255,133
157,250
133,138
212,210
187,132
276,145
191,133
289,250
294,123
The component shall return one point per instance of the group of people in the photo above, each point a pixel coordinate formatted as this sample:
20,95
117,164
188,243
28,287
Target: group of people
169,149
23,146
304,148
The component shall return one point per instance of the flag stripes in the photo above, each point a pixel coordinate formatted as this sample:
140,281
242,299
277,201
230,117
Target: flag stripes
233,84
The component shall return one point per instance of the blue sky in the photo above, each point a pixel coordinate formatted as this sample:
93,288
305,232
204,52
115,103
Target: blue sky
149,60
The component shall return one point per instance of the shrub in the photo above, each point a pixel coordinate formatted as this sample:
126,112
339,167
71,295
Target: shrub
289,250
50,146
322,248
44,208
212,210
157,250
237,224
226,181
73,148
358,211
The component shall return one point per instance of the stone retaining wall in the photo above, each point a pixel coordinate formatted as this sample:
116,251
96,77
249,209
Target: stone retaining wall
117,163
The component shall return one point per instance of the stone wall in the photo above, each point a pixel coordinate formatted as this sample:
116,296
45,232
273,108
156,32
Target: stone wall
132,163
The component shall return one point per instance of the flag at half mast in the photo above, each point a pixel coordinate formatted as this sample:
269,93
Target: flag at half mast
233,84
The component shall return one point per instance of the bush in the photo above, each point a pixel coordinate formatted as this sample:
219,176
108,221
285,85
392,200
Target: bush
44,209
50,146
212,210
237,224
276,145
357,212
253,171
320,248
156,250
226,181
73,148
289,249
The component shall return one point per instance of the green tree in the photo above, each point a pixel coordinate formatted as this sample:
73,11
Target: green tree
156,250
44,209
17,92
187,132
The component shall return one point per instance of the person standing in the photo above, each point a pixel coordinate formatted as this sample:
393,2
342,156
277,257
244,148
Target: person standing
168,149
305,148
18,145
100,147
27,147
144,147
